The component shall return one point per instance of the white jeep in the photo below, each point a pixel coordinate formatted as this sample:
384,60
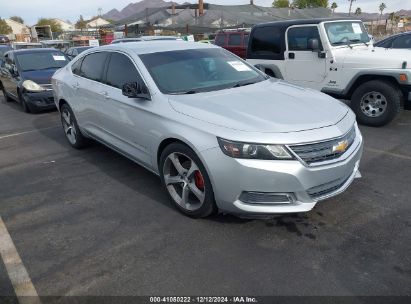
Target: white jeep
337,58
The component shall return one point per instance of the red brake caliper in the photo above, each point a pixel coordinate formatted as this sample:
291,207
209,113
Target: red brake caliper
199,180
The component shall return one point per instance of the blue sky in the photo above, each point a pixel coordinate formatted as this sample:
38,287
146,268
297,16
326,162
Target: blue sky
31,10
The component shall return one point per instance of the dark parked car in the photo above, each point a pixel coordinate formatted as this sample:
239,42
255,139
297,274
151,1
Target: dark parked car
398,41
3,49
25,76
234,41
4,39
74,51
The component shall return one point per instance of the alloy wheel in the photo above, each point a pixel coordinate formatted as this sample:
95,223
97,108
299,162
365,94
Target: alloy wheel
373,104
68,126
184,181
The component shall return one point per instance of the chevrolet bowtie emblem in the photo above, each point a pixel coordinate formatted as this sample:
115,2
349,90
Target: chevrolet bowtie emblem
341,146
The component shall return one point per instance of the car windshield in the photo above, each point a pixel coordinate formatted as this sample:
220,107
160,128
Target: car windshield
41,61
346,33
199,70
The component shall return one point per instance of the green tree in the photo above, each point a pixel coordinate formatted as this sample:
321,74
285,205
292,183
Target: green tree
358,11
281,3
54,25
334,6
5,28
349,11
81,24
310,3
17,19
381,8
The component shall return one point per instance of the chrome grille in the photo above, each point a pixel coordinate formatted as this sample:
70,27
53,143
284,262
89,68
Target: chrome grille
323,151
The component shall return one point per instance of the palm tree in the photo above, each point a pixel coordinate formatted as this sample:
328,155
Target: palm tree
349,11
381,8
334,6
358,11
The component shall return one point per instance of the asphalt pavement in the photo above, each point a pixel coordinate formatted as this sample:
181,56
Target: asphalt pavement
92,222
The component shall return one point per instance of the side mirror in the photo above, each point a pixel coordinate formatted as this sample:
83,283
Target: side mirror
136,90
313,44
15,72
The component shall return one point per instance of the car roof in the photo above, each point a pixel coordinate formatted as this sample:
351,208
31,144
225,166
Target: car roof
288,23
81,47
393,36
147,47
54,41
147,38
39,50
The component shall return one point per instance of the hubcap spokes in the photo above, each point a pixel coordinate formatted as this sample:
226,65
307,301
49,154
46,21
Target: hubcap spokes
373,104
181,174
68,126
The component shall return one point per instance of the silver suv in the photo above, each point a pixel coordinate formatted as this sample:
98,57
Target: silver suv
219,133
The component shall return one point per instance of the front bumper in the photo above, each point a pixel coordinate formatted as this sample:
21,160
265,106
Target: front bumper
304,185
39,100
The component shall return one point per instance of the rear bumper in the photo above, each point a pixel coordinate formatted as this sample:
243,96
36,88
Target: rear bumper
39,100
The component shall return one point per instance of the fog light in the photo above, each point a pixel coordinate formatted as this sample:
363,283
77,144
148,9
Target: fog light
266,198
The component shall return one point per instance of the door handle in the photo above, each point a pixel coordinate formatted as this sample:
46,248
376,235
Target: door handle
291,55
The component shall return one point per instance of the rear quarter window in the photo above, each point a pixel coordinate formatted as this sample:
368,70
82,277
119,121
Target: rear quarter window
266,42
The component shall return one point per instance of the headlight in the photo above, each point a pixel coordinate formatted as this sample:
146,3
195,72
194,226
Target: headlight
253,151
31,86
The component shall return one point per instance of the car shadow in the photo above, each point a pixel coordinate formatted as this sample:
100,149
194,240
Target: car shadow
112,164
144,182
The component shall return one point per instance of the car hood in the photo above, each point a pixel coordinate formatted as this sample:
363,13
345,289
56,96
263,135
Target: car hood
40,77
268,106
360,57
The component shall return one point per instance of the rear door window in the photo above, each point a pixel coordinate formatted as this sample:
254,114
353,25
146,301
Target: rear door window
120,71
234,39
93,66
220,40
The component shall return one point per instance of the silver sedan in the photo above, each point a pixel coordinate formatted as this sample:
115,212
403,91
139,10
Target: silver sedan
221,134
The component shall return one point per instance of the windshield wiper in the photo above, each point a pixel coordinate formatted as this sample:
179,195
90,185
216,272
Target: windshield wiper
185,92
358,40
242,84
49,68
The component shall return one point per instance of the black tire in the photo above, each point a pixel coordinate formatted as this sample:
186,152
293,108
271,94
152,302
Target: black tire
208,207
388,108
23,104
80,141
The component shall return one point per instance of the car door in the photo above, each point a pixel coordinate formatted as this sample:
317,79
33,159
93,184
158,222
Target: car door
88,91
303,65
10,75
125,119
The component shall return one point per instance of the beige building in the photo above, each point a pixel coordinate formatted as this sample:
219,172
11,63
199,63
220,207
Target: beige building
20,32
65,26
96,22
